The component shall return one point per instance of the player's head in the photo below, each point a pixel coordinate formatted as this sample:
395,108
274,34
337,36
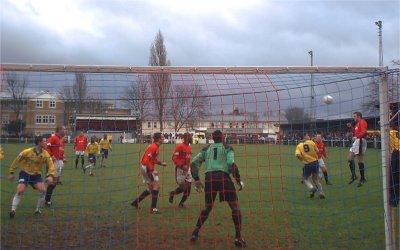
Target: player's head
217,136
105,136
318,137
60,130
157,137
357,116
187,137
306,136
93,139
40,141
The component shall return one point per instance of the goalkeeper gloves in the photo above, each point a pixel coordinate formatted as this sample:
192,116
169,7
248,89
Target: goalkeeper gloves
199,186
241,185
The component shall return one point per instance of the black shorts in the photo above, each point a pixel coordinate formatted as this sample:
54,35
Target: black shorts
221,183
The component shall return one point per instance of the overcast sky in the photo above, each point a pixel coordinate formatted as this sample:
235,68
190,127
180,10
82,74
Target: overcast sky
200,33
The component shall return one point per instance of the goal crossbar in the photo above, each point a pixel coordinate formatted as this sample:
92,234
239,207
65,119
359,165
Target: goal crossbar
189,70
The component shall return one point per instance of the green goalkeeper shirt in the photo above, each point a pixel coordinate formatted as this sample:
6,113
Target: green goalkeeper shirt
217,157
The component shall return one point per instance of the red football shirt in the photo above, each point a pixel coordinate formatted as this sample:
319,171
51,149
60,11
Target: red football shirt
360,130
182,155
55,147
80,143
149,158
321,149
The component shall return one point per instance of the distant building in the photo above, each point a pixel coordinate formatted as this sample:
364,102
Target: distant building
40,112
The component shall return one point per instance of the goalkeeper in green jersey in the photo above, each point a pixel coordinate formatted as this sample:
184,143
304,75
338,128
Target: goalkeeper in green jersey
219,159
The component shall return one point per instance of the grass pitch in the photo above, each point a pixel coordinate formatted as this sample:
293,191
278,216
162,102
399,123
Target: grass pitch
95,212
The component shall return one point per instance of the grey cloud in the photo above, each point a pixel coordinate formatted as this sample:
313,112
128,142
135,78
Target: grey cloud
277,33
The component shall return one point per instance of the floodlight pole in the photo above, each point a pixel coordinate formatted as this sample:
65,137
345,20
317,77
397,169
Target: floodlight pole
312,100
379,24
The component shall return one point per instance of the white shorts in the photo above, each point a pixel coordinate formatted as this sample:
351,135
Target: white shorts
79,152
146,177
359,147
321,162
183,176
58,164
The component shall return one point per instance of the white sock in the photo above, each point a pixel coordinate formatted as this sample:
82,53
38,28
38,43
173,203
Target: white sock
308,184
40,201
319,187
16,200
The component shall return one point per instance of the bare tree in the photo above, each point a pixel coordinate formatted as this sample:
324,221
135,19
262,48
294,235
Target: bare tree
16,87
75,96
188,105
370,105
297,115
160,83
136,97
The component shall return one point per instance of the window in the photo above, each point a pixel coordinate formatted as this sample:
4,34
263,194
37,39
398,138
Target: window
52,104
212,125
5,119
45,119
230,125
39,104
38,119
242,125
52,119
237,125
148,125
155,124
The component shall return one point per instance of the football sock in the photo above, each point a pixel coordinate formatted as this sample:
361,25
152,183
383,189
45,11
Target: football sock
319,187
361,167
76,162
237,220
178,190
352,169
143,195
83,162
16,200
308,184
154,197
40,200
326,176
203,216
186,194
49,191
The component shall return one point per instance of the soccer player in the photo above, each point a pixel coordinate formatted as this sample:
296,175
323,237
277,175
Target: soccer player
181,158
105,145
55,147
322,154
219,159
31,161
81,142
358,148
306,152
149,174
92,150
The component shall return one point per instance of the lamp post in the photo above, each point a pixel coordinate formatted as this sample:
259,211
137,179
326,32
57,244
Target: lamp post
379,24
74,122
312,94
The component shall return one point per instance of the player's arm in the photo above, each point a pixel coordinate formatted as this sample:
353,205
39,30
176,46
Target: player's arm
230,156
364,128
298,153
236,174
14,165
195,165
